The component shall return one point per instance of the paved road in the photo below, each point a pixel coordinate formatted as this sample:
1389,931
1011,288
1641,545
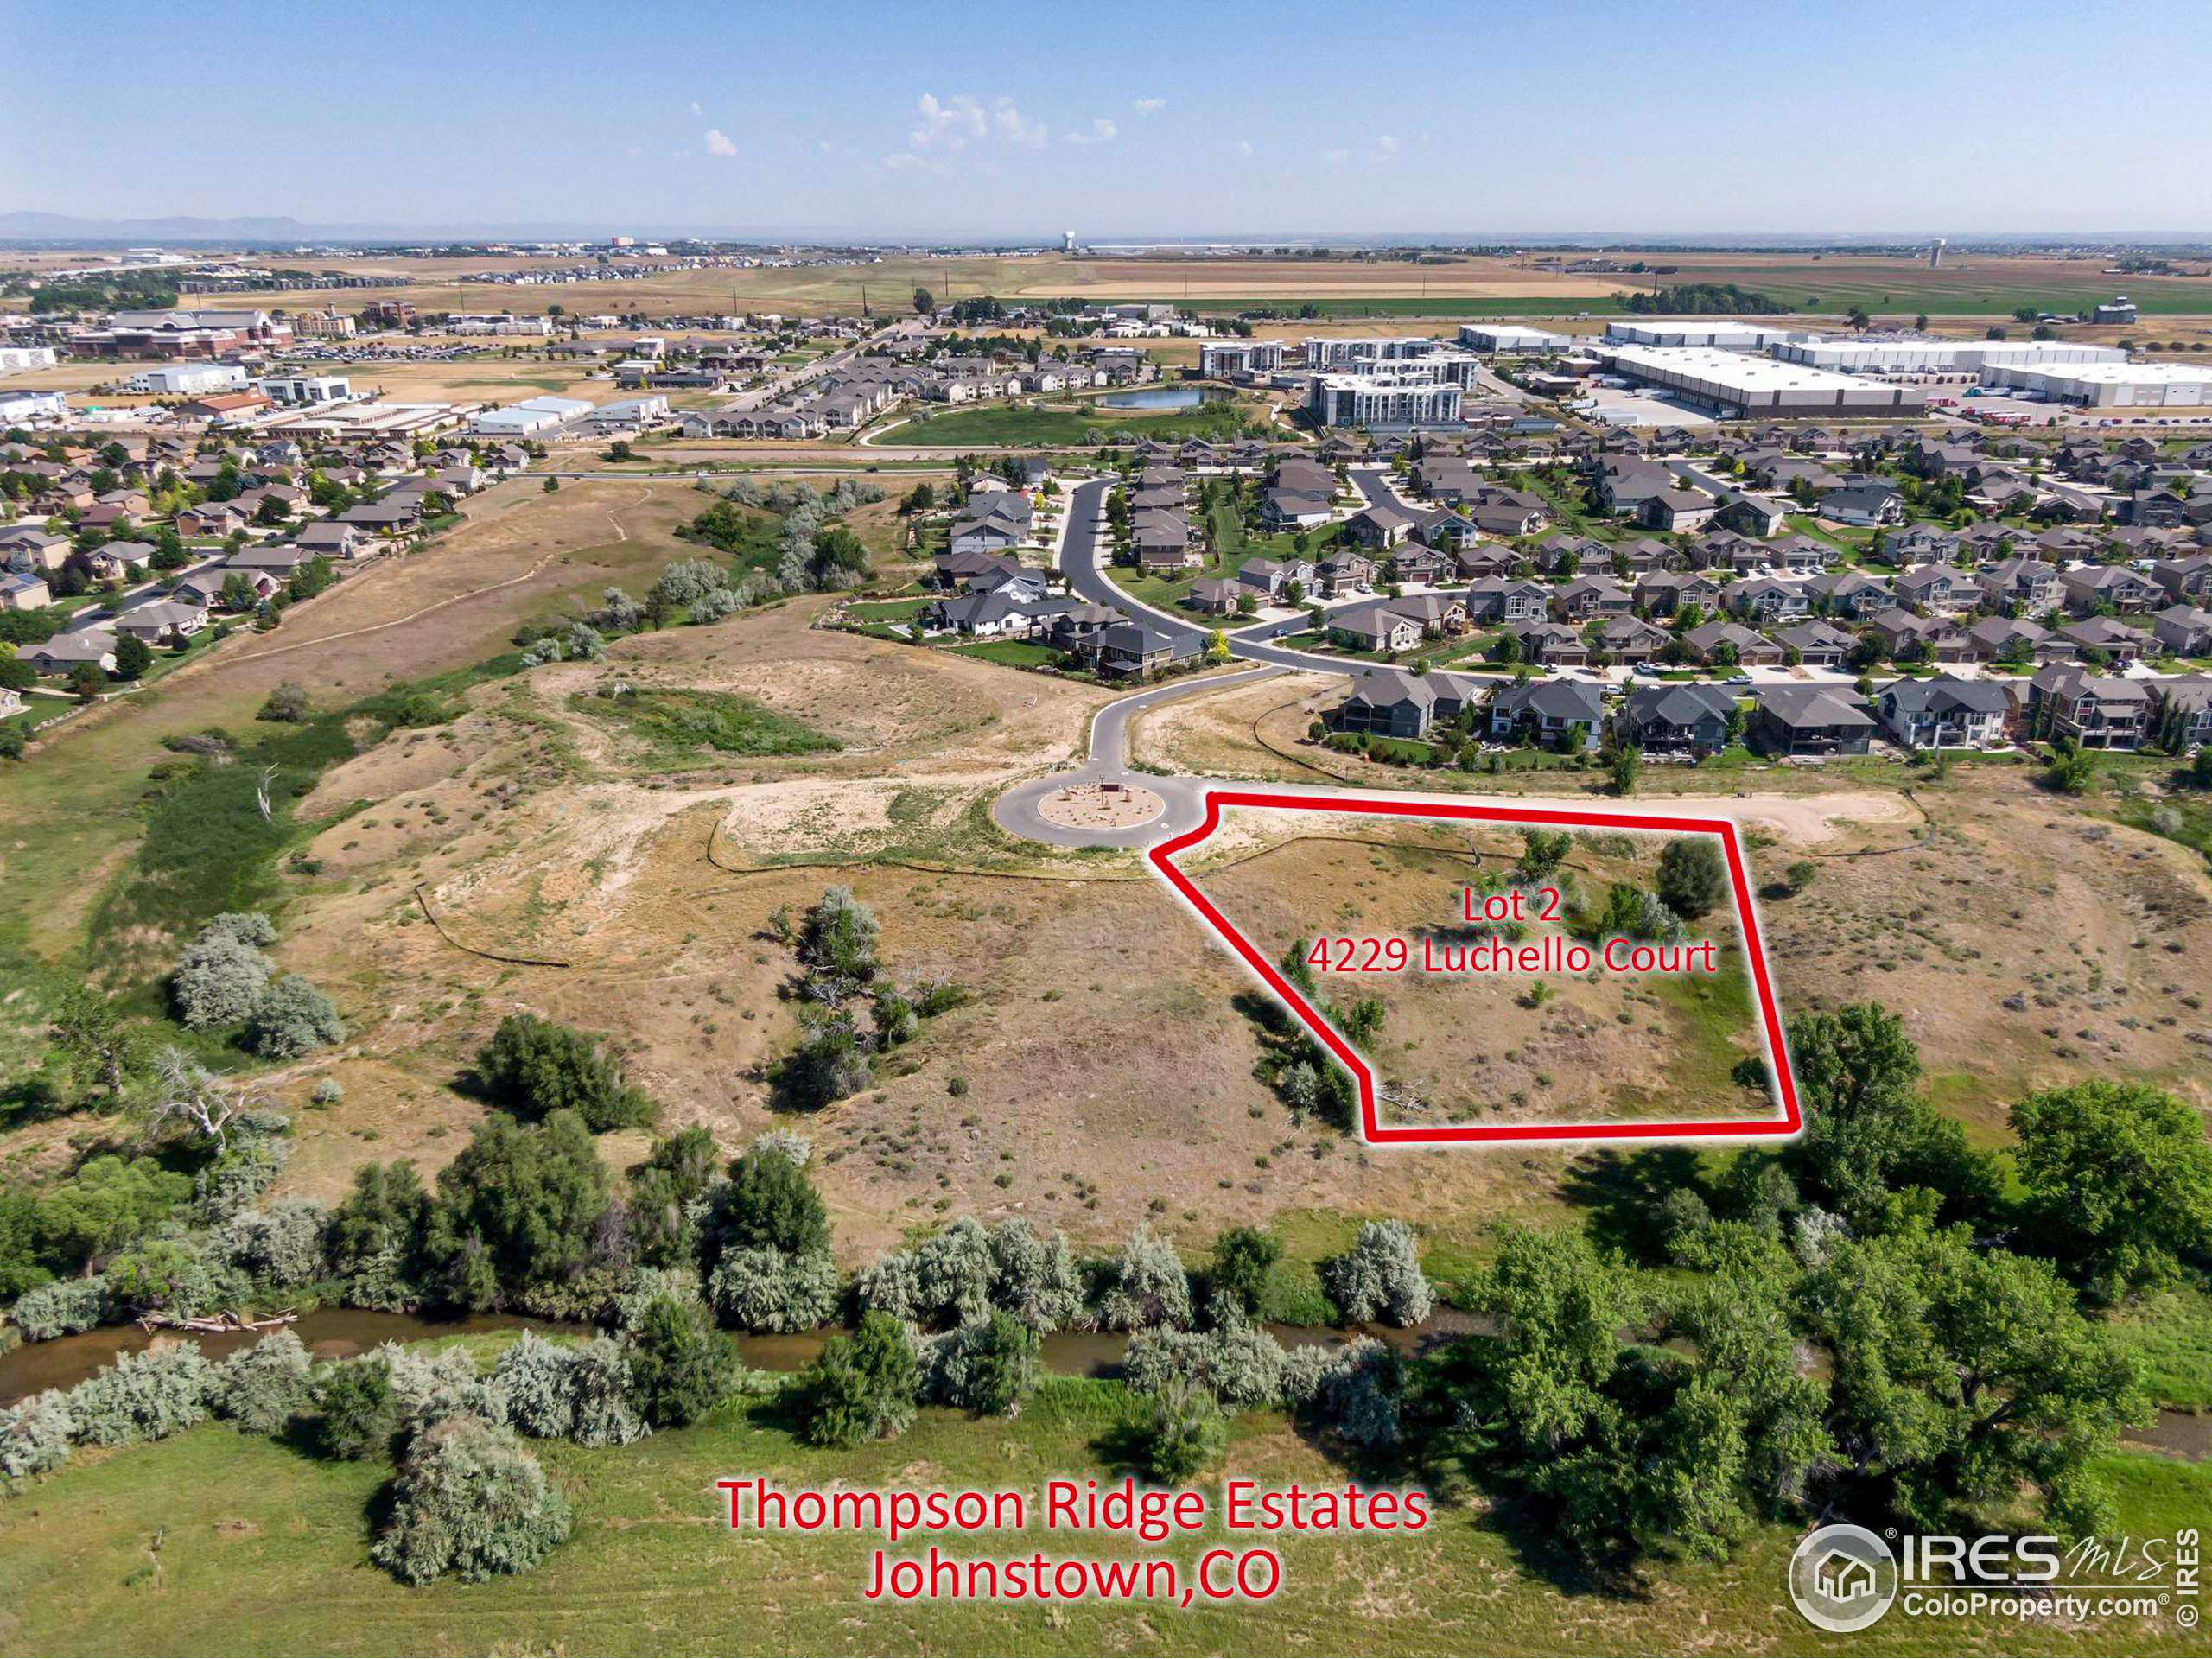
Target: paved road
1016,811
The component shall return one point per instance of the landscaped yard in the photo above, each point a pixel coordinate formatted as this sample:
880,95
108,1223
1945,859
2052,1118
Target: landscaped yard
1014,653
679,726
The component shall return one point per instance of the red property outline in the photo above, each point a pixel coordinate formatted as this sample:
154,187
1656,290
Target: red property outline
1379,1134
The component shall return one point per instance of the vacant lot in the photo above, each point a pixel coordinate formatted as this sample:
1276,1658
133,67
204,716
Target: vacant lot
1464,1049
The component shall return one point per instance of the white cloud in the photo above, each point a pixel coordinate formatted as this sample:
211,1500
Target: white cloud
695,109
1243,146
1149,105
1335,160
1386,149
947,127
1101,131
717,143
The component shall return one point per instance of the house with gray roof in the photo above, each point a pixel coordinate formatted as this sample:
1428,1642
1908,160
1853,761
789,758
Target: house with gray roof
1685,717
1945,712
1549,712
1810,720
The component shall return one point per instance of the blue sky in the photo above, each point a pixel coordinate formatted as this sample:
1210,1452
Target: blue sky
945,121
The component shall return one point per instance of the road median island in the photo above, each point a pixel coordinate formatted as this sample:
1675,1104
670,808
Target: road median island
1620,1018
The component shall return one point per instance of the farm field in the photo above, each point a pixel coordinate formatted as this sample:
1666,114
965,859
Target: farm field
1967,284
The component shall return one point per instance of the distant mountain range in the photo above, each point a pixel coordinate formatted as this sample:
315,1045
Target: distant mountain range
67,230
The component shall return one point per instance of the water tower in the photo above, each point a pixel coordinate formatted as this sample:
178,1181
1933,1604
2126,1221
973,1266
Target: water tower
1936,253
1067,241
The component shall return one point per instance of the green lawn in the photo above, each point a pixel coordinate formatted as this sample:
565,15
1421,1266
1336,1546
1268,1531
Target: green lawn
214,1542
1013,653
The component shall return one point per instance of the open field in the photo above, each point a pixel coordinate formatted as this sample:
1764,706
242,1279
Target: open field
252,1546
1967,284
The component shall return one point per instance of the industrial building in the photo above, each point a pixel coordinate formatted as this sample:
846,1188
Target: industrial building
2111,385
1877,355
1717,333
1737,384
189,379
530,416
1219,360
16,357
1381,401
295,388
1508,336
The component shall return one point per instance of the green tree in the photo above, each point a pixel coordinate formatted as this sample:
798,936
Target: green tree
2118,1178
680,1364
1627,764
1966,1379
772,1205
535,1067
100,1044
518,1208
1186,1433
1242,1259
105,1204
1692,878
133,657
861,1388
924,302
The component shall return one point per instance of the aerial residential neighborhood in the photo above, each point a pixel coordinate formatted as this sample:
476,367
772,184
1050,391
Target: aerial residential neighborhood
976,832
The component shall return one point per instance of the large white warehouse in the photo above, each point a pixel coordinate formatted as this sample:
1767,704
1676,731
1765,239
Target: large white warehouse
1496,337
2111,385
1740,385
1880,356
1720,334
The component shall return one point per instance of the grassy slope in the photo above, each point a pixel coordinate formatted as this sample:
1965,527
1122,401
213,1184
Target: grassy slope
256,1548
1004,423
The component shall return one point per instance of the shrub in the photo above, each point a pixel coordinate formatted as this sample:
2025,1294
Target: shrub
287,704
142,1396
1145,1286
360,1414
770,1205
1311,1370
1692,878
1185,1434
946,1278
263,1388
535,1067
61,1308
291,1017
988,1368
768,1290
35,1436
470,1501
680,1365
328,1091
176,1276
241,1173
830,1062
281,1246
1242,1259
375,1236
1239,1364
218,979
1035,1276
861,1388
518,1209
557,1391
1380,1277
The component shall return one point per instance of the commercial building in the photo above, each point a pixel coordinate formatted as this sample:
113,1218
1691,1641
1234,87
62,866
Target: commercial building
2111,385
290,389
1499,338
1719,334
18,406
1876,355
182,334
530,416
1378,401
323,325
1219,360
1737,385
188,380
2120,308
497,322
